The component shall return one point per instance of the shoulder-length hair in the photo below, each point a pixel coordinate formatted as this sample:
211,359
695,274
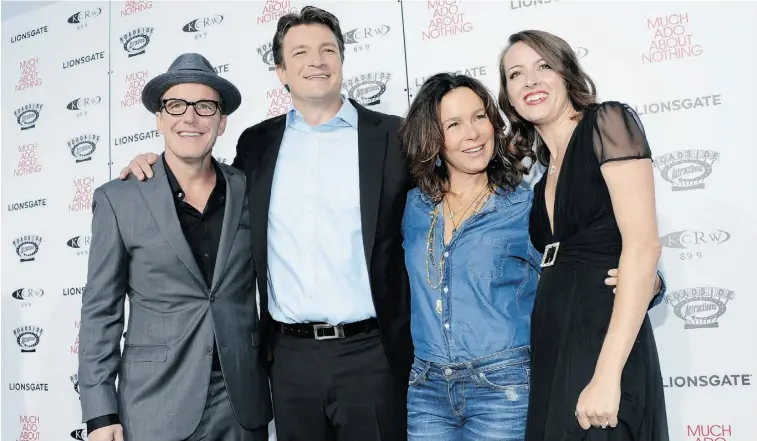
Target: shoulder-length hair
561,58
422,138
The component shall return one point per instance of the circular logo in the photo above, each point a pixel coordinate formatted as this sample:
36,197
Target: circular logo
368,92
27,249
28,117
700,310
83,149
27,340
687,172
136,43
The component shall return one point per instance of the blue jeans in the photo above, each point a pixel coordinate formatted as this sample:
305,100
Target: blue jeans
485,399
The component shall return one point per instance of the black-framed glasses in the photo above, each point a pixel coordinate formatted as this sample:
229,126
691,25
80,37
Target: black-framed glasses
177,106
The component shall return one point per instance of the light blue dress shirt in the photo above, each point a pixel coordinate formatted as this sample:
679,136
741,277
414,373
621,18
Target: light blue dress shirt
317,267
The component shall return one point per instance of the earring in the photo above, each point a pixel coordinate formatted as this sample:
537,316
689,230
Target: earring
438,161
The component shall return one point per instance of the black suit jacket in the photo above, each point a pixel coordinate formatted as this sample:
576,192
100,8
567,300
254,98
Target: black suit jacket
384,183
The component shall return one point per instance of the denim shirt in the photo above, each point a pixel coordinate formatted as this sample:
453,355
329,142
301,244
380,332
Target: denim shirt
489,283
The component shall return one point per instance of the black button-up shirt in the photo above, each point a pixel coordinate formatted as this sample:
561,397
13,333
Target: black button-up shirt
203,234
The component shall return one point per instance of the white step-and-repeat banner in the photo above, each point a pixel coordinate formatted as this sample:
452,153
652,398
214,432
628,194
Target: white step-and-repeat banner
72,75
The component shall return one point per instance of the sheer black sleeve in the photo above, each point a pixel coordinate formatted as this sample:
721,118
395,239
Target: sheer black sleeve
618,133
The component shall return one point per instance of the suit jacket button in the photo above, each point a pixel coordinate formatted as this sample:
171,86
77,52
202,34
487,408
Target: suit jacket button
208,349
212,299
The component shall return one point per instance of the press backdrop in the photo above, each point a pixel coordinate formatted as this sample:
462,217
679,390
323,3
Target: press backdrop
72,74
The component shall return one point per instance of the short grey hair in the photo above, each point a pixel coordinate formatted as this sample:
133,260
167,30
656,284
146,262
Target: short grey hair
308,15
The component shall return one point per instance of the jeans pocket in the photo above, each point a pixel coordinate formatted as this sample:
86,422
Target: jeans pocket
512,378
418,373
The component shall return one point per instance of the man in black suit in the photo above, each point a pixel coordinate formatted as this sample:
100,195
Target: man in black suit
327,187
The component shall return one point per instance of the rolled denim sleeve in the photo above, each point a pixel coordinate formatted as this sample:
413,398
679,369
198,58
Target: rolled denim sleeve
657,299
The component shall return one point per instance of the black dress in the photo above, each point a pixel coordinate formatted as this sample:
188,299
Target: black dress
573,305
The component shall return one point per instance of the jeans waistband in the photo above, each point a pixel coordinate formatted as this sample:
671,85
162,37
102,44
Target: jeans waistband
498,360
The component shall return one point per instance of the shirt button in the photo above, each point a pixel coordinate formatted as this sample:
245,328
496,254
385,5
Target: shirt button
446,254
212,299
446,326
446,289
209,349
206,254
448,372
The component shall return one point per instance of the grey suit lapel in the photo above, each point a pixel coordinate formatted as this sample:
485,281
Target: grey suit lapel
159,200
235,194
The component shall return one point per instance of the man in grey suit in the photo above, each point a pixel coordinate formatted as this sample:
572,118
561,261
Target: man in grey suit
179,246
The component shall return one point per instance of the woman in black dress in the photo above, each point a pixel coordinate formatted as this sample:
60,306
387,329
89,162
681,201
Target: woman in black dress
595,370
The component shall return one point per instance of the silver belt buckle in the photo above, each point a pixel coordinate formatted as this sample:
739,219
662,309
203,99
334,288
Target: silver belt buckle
550,254
338,332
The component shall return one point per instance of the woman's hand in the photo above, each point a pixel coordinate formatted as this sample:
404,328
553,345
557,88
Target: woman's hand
598,404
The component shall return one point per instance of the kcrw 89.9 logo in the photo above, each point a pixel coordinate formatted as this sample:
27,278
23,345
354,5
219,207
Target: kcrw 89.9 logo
692,244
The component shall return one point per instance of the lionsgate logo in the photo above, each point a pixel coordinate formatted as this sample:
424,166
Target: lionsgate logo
27,296
135,42
686,169
519,4
699,307
81,106
75,382
709,432
29,78
677,105
266,54
367,88
79,434
710,380
692,239
27,247
25,205
136,137
474,71
83,147
360,39
274,10
80,244
28,115
82,18
94,56
29,34
28,338
200,26
447,20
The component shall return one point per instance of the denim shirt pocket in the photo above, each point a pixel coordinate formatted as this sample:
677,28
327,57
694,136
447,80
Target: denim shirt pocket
487,257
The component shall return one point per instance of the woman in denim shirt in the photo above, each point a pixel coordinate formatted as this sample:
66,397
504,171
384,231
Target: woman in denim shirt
473,271
472,268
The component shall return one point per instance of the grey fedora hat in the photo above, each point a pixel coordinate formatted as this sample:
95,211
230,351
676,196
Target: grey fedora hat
191,68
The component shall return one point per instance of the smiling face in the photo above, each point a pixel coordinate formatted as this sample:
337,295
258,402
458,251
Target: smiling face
312,65
190,137
468,133
536,92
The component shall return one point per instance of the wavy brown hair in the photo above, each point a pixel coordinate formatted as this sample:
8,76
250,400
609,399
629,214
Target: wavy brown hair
422,138
561,58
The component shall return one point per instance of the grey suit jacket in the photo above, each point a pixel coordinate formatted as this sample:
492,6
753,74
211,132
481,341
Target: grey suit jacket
138,249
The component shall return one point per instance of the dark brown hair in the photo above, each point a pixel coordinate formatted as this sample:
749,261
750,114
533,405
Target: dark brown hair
561,58
308,15
422,138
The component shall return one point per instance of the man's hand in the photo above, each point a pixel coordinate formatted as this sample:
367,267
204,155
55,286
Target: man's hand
113,432
612,280
140,166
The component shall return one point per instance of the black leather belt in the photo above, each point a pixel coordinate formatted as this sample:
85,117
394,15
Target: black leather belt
324,331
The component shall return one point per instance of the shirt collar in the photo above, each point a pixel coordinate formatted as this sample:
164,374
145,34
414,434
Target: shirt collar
346,116
176,190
